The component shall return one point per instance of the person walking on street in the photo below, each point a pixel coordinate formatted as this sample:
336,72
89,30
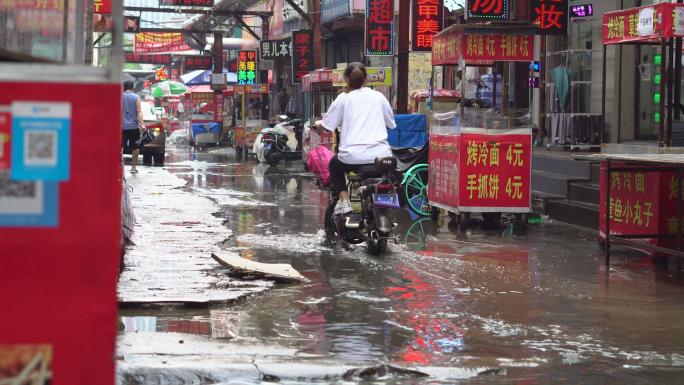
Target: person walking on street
282,100
132,123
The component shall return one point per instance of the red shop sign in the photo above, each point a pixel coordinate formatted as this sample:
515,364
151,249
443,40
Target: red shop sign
488,9
480,170
451,46
427,22
131,57
198,62
664,20
302,55
103,7
5,131
551,16
379,38
151,42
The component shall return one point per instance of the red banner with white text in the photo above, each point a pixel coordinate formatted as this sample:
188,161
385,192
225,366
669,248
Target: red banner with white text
155,42
451,46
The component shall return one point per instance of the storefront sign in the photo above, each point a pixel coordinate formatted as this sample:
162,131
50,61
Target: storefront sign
551,16
488,9
377,77
188,3
664,20
646,24
41,141
640,203
481,171
132,24
218,108
247,65
198,62
102,7
452,46
584,10
251,89
290,14
161,74
302,55
164,59
152,42
679,21
103,23
275,49
379,38
427,22
332,10
5,131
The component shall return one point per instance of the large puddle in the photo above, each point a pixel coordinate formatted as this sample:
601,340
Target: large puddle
535,309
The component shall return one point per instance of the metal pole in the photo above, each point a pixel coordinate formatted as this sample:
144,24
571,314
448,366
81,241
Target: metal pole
661,110
670,89
603,96
679,220
403,65
608,218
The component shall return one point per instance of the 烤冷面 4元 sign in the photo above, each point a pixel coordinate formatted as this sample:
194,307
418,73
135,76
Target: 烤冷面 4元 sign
379,37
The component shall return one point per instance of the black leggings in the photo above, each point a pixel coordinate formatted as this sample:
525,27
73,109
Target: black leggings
338,182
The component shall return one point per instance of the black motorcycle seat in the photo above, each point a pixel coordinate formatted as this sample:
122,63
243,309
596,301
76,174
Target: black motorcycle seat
371,181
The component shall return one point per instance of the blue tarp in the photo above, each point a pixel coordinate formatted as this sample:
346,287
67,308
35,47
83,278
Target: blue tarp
411,131
204,128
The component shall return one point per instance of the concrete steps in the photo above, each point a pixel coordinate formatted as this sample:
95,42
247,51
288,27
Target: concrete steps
568,189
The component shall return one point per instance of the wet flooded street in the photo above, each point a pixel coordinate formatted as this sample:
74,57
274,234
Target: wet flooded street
442,306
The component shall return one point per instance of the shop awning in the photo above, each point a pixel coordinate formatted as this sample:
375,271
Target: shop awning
644,24
484,44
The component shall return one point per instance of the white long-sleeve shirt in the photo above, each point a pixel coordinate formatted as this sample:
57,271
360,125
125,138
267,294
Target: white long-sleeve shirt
364,116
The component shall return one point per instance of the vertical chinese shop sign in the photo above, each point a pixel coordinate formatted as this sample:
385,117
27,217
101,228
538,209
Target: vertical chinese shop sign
443,170
379,38
427,22
246,73
302,55
551,16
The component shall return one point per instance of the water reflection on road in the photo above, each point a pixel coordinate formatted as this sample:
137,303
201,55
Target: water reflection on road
536,307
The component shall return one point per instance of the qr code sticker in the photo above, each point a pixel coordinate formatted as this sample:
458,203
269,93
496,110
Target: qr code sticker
40,148
20,197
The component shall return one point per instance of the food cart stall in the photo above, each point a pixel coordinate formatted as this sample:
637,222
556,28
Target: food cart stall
202,114
640,209
442,100
60,194
248,116
481,161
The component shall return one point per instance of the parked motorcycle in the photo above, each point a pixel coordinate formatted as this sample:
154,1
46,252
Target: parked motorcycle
282,141
373,193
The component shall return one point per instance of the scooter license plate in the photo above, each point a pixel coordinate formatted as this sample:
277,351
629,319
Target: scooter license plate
267,146
386,200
